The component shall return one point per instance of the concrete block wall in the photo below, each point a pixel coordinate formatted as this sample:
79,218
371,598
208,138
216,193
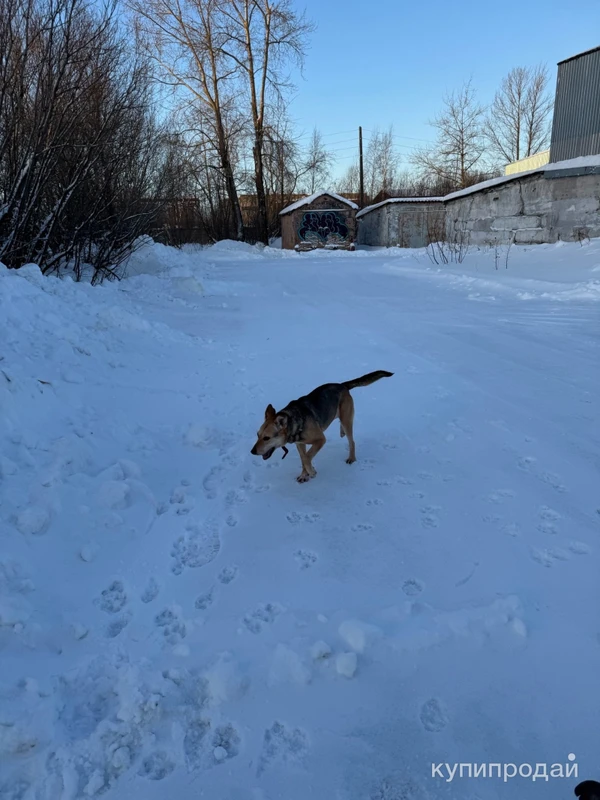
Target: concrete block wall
543,207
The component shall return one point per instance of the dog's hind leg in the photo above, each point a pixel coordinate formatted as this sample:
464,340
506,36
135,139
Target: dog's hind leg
346,422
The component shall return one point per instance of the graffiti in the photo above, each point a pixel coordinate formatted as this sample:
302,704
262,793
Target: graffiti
323,227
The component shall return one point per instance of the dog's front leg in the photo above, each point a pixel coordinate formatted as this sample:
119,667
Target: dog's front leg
307,470
316,446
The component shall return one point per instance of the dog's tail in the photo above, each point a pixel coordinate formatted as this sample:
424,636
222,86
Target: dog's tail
368,379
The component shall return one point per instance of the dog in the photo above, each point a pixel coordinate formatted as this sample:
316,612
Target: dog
588,790
304,422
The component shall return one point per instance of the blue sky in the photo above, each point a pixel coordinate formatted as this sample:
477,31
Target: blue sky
388,62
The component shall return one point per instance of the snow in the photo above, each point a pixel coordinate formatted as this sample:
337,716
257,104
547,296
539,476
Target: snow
345,664
367,209
315,196
180,619
582,162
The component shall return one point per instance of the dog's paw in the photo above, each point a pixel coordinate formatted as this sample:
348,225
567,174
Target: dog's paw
350,460
303,477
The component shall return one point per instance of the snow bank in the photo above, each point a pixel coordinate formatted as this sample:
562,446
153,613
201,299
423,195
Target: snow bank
559,272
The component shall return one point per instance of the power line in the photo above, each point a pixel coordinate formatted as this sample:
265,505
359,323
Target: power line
400,136
337,133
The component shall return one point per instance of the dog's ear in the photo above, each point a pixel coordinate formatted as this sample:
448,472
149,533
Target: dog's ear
280,422
269,413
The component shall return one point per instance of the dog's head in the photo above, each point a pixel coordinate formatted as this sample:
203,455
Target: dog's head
272,434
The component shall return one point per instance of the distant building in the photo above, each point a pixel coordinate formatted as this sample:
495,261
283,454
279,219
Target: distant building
249,205
387,194
402,222
556,200
324,219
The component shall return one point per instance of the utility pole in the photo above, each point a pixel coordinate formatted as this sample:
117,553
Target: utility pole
362,175
282,167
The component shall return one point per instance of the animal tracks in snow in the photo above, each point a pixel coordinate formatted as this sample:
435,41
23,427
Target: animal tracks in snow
500,496
113,598
529,464
157,766
264,614
198,546
151,591
548,519
204,601
294,518
116,626
228,574
171,624
225,743
547,557
305,558
412,587
362,527
282,745
433,715
429,516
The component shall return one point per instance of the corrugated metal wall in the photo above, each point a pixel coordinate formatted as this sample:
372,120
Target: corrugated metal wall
576,123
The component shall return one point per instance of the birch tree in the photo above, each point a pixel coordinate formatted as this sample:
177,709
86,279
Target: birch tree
518,123
457,157
260,39
187,39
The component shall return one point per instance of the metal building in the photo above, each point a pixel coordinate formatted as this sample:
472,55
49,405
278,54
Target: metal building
402,222
576,123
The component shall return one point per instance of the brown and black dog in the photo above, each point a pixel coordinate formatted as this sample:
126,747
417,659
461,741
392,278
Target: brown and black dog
305,420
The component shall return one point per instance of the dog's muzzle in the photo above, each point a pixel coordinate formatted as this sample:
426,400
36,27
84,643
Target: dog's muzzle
266,455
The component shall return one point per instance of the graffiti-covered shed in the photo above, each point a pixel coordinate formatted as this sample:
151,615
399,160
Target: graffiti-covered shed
324,219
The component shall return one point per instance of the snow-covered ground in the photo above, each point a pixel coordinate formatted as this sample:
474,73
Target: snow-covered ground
179,619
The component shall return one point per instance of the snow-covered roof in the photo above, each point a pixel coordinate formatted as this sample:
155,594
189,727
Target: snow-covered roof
311,198
571,163
367,209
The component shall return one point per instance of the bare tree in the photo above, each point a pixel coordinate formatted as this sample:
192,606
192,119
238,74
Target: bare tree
350,180
349,183
538,111
518,122
81,157
259,39
186,39
457,156
381,163
318,163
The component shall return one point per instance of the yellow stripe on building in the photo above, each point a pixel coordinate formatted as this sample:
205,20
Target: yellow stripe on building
525,164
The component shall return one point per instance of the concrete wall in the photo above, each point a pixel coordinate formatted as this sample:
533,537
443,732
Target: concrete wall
299,228
401,225
544,207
